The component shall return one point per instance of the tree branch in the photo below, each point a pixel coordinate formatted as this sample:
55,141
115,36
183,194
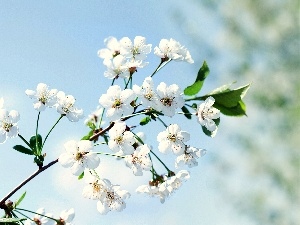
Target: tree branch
2,202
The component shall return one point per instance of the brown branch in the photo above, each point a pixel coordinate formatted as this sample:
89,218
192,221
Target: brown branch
2,202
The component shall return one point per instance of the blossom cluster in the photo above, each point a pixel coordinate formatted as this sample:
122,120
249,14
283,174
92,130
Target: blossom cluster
64,104
122,59
66,217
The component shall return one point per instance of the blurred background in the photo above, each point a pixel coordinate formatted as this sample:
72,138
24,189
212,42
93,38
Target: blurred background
251,173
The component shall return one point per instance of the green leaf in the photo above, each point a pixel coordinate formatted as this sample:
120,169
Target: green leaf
88,136
11,220
22,149
81,176
186,112
145,120
229,98
208,132
238,110
33,143
20,200
197,85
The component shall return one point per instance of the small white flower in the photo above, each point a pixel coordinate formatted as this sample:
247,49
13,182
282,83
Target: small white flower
8,124
171,49
152,191
117,67
117,102
112,50
66,217
139,160
172,140
120,140
96,187
93,118
207,113
39,219
66,106
137,50
79,156
44,97
112,199
147,94
170,98
174,182
189,157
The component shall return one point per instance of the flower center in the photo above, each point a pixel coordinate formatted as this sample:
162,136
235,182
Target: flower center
136,160
148,96
117,103
119,140
172,137
96,187
7,126
167,101
79,156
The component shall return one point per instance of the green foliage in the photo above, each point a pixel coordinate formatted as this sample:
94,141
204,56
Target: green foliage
209,133
23,150
145,120
36,144
20,200
88,136
186,112
81,176
11,220
197,85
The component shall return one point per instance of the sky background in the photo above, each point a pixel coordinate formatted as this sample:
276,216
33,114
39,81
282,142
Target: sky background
56,42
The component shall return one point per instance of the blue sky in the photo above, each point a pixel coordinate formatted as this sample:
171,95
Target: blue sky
56,42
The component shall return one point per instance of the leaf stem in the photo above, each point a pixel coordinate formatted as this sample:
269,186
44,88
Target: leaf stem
2,202
52,129
162,121
26,210
160,161
36,134
23,139
104,153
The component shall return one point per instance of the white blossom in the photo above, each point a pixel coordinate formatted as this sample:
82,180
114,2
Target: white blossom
66,217
43,97
117,102
112,50
112,199
170,98
94,117
120,140
66,106
79,156
165,186
96,187
40,219
8,124
172,139
152,191
207,113
137,50
171,49
146,92
139,160
189,157
117,67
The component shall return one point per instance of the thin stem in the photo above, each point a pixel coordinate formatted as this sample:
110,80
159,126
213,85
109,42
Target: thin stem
2,202
36,133
26,210
113,81
190,106
52,129
162,121
186,113
23,139
104,153
160,66
23,215
160,161
130,77
101,118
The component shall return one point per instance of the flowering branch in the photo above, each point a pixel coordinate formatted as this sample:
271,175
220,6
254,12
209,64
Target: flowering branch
2,202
